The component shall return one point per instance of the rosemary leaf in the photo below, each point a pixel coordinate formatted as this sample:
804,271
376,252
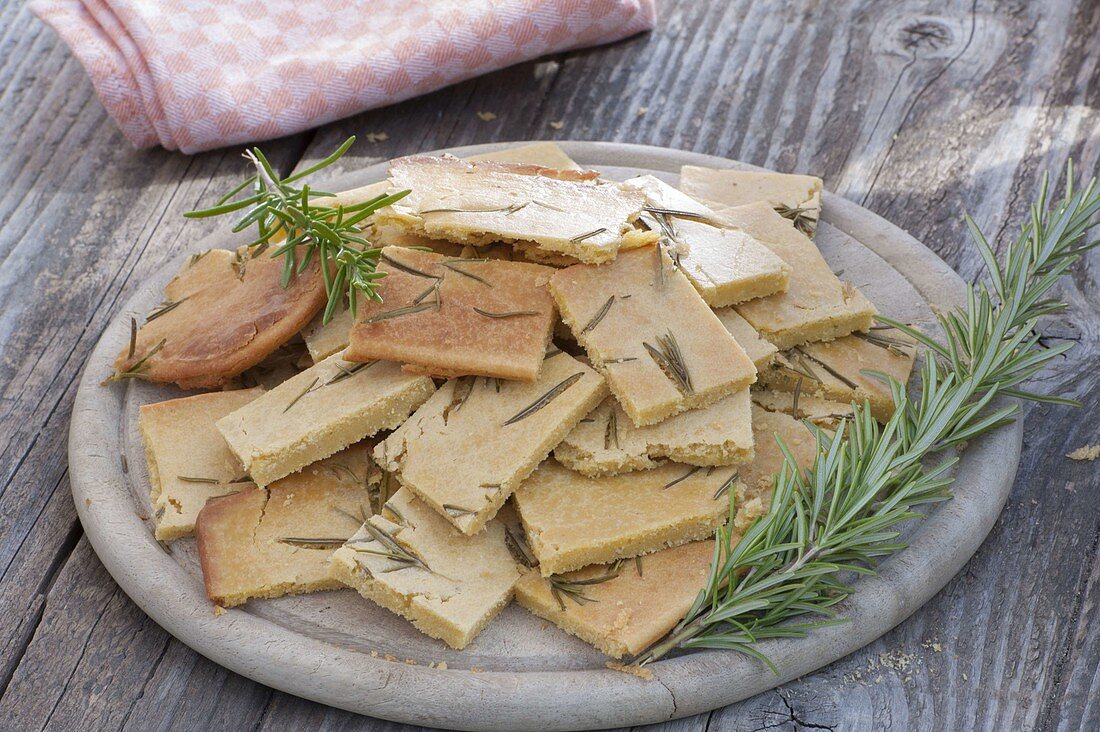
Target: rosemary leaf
545,399
308,543
399,312
506,314
599,315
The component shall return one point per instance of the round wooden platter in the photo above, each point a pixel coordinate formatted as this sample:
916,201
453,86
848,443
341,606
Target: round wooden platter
521,673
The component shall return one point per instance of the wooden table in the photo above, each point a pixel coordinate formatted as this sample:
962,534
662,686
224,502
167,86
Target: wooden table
919,111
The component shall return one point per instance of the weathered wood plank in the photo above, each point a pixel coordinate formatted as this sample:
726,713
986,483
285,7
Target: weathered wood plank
919,110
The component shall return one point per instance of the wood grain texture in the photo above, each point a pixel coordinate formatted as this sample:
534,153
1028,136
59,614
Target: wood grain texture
917,110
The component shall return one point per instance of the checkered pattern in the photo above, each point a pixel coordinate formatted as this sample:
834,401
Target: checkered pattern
200,74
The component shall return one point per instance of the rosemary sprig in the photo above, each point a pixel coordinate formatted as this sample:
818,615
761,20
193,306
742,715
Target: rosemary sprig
788,571
574,589
296,226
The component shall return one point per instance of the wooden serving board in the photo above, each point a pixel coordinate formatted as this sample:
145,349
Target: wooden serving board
521,672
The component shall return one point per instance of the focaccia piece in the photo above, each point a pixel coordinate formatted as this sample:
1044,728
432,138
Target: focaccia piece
794,197
546,154
189,462
625,608
222,314
457,317
835,369
412,562
572,521
646,329
477,202
279,540
318,412
760,350
471,445
817,306
726,265
824,413
607,442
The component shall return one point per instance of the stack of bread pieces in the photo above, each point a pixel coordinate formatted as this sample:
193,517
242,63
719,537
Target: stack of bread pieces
567,379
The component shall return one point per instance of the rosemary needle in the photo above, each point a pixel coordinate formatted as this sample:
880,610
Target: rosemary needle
545,399
506,314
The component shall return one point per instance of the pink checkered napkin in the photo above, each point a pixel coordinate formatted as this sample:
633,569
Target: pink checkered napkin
200,74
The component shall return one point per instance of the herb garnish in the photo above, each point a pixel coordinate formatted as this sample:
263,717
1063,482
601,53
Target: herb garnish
798,216
599,315
843,513
308,543
545,399
560,587
294,224
506,314
668,357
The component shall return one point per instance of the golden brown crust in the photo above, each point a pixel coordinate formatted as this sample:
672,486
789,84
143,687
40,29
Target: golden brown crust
462,316
223,322
250,543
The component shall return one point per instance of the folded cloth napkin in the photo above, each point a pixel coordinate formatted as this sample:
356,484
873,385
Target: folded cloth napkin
200,74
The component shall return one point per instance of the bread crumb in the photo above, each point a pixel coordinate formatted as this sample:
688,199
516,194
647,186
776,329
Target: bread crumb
219,611
475,669
642,111
631,668
1088,452
377,137
486,116
374,654
87,501
442,665
558,124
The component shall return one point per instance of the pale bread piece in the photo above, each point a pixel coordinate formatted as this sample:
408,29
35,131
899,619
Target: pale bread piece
278,540
760,350
453,585
222,314
629,612
726,265
189,462
607,442
319,412
646,329
822,412
471,445
573,521
817,306
457,317
835,369
566,211
795,197
546,154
